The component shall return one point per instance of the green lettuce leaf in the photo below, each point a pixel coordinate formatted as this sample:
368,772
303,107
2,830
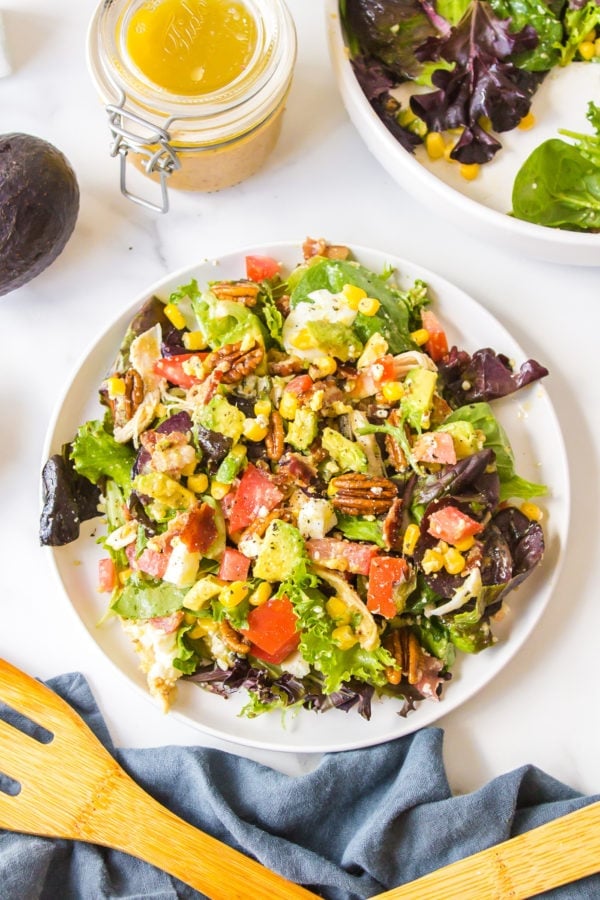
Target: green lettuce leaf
96,454
316,644
145,600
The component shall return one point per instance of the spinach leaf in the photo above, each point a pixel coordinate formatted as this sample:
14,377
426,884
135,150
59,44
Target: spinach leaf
394,315
559,187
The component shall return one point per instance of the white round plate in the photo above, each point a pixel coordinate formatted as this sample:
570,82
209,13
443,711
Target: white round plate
531,424
481,206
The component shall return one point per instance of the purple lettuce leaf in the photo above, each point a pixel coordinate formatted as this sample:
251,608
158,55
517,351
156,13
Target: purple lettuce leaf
467,479
483,83
486,375
376,81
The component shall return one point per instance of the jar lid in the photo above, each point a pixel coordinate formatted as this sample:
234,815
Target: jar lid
209,118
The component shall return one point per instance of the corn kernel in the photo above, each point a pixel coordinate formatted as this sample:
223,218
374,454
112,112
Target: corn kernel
198,483
590,36
262,408
304,340
288,405
597,46
528,121
338,610
116,386
232,595
465,544
532,511
260,594
454,562
353,295
435,145
194,340
174,315
125,575
586,50
325,365
420,336
344,637
368,306
469,171
485,122
392,391
255,430
432,561
411,536
218,489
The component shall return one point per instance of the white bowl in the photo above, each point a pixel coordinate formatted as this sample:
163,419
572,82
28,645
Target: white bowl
481,206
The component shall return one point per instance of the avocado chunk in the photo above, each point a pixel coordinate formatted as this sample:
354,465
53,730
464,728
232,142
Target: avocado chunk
335,339
303,429
419,388
281,551
223,417
347,454
467,439
39,205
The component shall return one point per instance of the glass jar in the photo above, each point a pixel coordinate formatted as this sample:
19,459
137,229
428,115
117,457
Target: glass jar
192,141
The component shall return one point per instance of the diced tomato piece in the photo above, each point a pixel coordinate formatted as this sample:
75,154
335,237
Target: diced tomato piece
197,528
260,267
355,557
152,562
171,368
437,345
435,447
168,624
452,525
234,566
300,384
371,377
385,574
107,575
272,630
255,493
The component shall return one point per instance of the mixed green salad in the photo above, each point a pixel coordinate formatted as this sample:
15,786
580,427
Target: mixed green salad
472,69
307,494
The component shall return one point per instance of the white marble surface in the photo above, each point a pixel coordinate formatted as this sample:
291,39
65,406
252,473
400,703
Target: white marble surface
321,180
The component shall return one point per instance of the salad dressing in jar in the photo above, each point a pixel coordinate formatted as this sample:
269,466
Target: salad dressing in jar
194,89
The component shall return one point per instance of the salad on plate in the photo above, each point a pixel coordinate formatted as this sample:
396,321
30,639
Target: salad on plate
307,494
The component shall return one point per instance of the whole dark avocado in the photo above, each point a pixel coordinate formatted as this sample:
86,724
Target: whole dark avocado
39,204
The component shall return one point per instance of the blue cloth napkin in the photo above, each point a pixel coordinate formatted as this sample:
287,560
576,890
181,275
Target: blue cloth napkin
362,822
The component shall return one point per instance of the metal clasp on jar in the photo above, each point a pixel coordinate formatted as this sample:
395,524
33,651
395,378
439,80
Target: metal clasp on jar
150,142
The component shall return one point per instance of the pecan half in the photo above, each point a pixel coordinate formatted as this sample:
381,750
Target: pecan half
319,247
258,528
234,363
282,364
394,450
245,292
124,407
274,441
233,639
406,650
357,494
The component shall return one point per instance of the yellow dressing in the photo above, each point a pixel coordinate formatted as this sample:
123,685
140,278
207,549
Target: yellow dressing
191,47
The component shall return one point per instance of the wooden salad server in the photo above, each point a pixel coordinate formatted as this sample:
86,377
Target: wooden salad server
72,788
546,857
